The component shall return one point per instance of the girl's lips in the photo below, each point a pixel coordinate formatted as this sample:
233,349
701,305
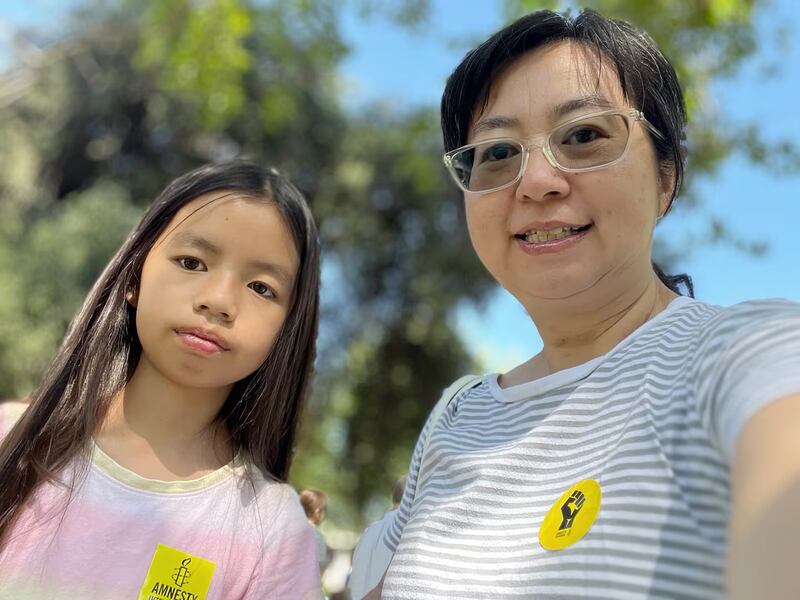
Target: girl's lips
197,340
551,246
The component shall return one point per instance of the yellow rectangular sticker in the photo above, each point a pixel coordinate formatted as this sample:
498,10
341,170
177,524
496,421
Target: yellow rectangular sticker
176,575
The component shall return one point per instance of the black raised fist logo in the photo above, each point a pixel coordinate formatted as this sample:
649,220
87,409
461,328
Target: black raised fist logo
571,508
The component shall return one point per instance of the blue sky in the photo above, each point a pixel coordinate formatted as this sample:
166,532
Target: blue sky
757,205
406,68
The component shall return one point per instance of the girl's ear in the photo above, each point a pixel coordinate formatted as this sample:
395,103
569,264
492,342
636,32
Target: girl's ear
131,297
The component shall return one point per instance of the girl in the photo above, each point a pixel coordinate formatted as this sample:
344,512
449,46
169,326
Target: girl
150,461
650,450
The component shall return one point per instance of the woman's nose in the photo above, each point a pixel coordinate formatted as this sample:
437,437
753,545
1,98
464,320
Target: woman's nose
540,180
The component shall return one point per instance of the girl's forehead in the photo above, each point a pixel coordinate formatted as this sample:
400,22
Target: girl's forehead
228,213
208,205
534,85
214,209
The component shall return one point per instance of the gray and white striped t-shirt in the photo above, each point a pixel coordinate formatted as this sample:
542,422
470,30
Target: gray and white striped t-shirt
654,421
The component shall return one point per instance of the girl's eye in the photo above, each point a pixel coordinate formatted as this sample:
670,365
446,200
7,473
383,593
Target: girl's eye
262,289
190,264
584,135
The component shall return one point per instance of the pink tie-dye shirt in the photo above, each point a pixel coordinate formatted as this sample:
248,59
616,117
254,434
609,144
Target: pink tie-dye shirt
102,546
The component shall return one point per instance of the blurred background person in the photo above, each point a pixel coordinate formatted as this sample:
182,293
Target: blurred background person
315,505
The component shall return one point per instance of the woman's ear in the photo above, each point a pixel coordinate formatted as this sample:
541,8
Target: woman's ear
666,176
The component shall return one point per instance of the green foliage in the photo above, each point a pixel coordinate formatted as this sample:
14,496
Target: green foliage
199,53
396,245
143,91
47,266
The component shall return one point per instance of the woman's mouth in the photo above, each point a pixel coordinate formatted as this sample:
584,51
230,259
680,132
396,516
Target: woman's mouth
551,240
539,236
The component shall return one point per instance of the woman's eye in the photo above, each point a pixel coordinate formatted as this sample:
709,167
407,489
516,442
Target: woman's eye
190,264
262,289
497,152
583,135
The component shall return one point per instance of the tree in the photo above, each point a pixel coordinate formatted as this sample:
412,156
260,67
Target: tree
139,92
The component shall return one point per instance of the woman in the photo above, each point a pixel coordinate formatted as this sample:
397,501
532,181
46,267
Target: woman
644,452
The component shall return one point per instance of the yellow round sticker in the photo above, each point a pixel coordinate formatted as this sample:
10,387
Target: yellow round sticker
571,517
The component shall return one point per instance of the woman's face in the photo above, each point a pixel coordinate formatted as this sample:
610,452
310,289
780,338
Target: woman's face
619,203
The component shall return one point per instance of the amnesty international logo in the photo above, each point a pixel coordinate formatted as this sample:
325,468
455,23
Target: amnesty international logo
182,573
176,575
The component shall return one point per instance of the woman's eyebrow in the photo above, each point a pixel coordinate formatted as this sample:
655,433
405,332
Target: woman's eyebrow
576,104
490,123
558,111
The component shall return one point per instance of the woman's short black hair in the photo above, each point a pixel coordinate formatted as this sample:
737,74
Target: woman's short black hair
647,78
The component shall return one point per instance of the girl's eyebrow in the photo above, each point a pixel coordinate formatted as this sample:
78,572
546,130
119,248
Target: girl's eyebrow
198,241
556,112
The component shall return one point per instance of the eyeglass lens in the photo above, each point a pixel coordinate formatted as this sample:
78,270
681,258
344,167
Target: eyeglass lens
588,143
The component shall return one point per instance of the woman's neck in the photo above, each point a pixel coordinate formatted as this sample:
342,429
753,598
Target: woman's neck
575,337
161,430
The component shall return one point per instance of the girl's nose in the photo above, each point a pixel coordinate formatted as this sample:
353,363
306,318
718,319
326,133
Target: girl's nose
217,299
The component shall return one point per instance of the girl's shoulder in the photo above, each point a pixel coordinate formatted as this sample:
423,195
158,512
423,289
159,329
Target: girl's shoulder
10,412
271,494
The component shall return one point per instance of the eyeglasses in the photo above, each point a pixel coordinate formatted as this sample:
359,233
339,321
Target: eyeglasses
582,144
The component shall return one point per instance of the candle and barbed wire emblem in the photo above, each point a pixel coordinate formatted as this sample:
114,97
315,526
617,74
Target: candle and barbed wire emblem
176,574
182,574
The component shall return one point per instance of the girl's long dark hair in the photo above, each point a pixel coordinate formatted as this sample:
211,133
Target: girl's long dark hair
101,349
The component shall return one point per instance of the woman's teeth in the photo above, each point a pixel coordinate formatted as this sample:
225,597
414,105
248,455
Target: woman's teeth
537,237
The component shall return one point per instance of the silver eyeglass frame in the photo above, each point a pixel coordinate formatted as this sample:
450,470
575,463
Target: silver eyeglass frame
631,115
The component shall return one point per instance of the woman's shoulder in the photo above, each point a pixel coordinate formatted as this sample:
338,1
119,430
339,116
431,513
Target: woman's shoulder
757,326
10,412
754,315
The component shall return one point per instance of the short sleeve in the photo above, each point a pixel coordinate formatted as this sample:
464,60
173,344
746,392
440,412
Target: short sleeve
451,395
289,567
748,356
394,531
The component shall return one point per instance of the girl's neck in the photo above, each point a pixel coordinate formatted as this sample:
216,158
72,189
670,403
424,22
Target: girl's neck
572,338
161,430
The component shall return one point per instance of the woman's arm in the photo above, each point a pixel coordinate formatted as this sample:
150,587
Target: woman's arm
764,540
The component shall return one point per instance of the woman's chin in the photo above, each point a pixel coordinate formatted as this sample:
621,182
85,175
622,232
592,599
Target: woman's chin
555,288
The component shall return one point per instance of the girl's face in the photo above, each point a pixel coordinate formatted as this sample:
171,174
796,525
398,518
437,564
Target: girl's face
619,203
215,290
